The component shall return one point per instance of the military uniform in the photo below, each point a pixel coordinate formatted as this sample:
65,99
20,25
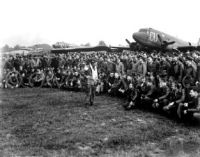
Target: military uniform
190,102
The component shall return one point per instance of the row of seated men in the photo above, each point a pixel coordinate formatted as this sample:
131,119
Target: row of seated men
159,92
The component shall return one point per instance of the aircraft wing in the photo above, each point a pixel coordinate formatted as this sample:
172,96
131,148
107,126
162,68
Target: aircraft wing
119,48
168,42
164,42
188,48
198,48
81,49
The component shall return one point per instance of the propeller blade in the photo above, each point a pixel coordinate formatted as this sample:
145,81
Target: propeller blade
128,41
160,38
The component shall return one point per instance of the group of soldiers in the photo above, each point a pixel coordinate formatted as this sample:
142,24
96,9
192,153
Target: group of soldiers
164,82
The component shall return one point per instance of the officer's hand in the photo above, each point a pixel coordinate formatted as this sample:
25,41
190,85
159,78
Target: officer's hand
186,104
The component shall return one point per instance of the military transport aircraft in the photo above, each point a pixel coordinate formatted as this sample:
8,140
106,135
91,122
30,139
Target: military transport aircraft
145,38
153,38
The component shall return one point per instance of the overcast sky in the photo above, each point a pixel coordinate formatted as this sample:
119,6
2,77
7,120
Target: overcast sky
28,22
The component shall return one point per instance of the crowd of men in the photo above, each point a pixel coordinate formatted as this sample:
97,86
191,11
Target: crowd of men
165,82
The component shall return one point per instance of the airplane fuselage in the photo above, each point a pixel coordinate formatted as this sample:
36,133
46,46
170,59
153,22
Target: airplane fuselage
153,38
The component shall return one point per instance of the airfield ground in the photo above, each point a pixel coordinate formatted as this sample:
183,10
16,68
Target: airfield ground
52,122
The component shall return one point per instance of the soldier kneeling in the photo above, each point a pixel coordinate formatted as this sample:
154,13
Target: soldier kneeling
189,106
163,93
132,95
177,96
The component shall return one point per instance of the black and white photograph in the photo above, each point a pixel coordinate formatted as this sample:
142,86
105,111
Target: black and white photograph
100,78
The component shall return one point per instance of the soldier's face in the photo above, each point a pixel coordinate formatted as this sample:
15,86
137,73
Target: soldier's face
86,68
149,83
162,84
130,85
20,68
193,93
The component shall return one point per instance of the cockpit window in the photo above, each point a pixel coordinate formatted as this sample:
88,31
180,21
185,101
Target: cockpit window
143,30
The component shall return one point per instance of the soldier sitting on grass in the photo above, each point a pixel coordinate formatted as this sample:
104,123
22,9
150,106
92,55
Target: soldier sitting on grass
190,105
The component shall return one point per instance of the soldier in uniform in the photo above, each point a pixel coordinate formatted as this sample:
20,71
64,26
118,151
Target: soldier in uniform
113,91
76,81
58,78
49,77
190,105
101,83
123,86
92,81
176,96
91,74
163,93
110,82
148,92
132,97
37,78
68,81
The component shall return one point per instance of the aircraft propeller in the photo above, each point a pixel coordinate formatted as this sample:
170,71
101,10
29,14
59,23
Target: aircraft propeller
131,45
164,43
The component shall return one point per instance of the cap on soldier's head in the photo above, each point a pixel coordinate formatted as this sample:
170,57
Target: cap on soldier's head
129,78
116,75
111,74
86,68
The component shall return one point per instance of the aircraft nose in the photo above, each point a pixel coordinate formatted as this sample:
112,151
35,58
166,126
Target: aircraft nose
138,36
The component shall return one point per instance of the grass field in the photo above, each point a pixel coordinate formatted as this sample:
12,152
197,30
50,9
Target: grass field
52,122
